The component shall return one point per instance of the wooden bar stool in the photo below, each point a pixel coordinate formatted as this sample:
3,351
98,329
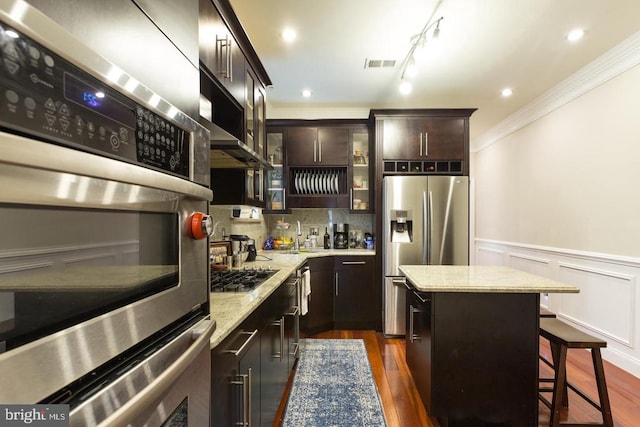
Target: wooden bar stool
562,337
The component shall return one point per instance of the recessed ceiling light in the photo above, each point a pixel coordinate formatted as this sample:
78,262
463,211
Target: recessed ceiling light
405,87
306,93
575,35
288,35
506,92
12,34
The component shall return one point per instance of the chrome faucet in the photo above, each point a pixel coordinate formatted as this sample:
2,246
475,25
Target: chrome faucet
296,243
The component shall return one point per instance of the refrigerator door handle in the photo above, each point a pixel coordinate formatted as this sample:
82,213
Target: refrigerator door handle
430,216
425,224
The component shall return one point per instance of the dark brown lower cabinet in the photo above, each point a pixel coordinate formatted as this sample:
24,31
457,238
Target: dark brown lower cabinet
274,366
474,356
354,306
342,294
320,311
250,368
235,379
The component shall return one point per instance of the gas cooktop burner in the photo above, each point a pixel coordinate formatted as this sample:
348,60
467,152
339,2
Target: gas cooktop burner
238,280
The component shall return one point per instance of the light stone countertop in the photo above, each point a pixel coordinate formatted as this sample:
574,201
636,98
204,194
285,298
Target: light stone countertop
230,309
481,279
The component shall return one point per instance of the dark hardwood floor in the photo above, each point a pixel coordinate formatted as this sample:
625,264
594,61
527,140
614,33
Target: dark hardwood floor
402,405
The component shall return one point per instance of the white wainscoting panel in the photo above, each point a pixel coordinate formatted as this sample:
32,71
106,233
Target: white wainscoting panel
530,264
490,256
607,305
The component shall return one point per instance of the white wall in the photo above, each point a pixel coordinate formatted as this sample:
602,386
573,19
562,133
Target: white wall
558,197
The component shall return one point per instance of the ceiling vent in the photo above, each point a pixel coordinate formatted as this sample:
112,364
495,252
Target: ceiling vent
379,63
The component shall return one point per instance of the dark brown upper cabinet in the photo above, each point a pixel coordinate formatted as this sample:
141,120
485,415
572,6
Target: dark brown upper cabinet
220,52
424,138
322,146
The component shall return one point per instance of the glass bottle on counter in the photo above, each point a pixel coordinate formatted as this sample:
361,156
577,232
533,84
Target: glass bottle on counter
327,239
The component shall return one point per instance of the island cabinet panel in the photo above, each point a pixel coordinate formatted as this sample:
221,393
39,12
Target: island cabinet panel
419,344
317,146
320,314
428,138
473,356
354,306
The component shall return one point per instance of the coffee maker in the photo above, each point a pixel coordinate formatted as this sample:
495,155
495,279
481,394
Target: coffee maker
340,236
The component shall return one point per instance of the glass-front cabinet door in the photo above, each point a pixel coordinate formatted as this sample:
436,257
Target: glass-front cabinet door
259,126
260,118
360,171
275,182
250,112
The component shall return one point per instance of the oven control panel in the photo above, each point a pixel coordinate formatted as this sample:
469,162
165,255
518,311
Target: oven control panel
44,96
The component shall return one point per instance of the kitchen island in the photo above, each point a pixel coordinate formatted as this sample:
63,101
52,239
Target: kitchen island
472,342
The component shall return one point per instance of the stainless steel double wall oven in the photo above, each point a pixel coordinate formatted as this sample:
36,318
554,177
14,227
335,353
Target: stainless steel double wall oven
104,271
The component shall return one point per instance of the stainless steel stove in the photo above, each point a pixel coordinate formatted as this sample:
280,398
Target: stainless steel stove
244,280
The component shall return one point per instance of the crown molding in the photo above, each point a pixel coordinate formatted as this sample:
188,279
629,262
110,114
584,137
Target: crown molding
619,59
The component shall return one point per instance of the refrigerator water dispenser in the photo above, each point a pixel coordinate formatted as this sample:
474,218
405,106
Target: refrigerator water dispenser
401,226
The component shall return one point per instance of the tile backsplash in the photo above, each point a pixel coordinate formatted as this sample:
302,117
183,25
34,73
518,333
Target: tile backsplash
259,230
224,225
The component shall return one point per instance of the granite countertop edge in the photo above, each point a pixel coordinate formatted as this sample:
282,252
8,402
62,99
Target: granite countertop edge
230,309
480,279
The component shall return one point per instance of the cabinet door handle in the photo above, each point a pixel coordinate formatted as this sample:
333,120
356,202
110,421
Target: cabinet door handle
280,324
315,151
245,396
226,44
426,144
249,405
422,300
244,344
354,262
412,336
351,198
294,353
319,151
229,62
336,284
420,144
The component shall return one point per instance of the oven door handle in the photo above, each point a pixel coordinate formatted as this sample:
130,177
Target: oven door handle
154,391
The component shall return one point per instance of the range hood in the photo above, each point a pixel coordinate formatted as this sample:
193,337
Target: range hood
227,151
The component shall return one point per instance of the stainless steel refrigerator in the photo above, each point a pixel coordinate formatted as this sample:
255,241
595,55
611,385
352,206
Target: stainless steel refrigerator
425,221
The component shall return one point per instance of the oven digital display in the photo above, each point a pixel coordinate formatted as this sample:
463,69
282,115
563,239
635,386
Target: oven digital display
98,100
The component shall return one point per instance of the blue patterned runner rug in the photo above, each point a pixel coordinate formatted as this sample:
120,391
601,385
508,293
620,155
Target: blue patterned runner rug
333,386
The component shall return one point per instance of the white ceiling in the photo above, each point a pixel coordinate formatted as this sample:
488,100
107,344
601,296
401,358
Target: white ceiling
483,46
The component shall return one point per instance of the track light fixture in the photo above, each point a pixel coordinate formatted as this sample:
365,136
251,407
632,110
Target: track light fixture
418,43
